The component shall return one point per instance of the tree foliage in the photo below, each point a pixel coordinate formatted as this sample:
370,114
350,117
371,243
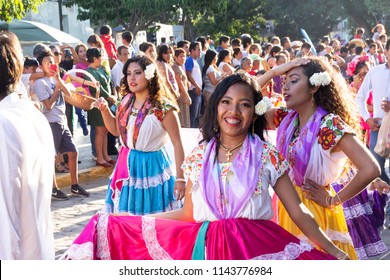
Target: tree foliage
17,9
234,17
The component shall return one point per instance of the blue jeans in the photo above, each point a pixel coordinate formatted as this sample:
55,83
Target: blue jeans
381,161
81,116
195,108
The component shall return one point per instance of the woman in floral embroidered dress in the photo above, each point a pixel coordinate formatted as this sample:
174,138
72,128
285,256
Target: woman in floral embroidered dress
318,139
227,207
142,182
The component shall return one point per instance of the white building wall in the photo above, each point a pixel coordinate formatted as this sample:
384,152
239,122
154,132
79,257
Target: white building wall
48,13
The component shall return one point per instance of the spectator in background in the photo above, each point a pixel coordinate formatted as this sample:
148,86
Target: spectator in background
109,44
285,43
211,74
127,40
204,47
94,116
378,30
149,49
275,41
246,65
224,43
94,41
185,45
246,41
182,81
116,72
164,62
194,76
224,62
237,57
359,33
50,91
26,160
275,50
235,42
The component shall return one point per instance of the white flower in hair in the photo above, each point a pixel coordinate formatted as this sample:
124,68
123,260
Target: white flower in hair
149,71
263,106
320,79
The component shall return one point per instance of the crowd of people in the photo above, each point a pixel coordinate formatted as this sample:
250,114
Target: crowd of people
319,191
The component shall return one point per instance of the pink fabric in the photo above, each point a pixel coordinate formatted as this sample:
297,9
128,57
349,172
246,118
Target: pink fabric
145,238
121,171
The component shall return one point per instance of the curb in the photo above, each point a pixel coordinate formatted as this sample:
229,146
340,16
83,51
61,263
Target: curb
85,175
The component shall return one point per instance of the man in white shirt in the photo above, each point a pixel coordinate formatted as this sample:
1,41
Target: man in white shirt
377,80
27,166
123,54
194,76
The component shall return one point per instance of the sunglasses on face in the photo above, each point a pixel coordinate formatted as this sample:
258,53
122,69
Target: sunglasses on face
56,53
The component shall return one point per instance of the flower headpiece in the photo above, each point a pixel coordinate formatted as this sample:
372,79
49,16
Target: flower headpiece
263,106
320,79
149,71
352,65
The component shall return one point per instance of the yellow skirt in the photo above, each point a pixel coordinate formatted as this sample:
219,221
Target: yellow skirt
331,221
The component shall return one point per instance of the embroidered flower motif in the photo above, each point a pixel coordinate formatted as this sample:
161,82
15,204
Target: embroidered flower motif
326,138
159,115
149,71
263,106
337,124
279,116
320,79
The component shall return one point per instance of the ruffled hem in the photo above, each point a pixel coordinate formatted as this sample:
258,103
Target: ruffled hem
145,238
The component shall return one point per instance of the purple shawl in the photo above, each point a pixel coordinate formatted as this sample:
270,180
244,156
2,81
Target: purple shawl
299,157
242,178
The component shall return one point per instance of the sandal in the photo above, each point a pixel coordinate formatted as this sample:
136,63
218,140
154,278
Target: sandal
61,169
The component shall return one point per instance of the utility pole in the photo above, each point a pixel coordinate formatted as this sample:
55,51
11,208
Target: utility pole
60,14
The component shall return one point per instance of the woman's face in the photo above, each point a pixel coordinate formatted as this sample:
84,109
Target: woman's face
167,56
82,53
359,77
151,53
180,59
236,112
136,80
296,91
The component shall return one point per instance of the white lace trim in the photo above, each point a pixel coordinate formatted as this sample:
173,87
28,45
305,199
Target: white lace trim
333,235
103,249
290,252
149,234
149,182
357,210
79,252
371,250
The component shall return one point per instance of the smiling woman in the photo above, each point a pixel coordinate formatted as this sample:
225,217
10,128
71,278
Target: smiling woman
227,203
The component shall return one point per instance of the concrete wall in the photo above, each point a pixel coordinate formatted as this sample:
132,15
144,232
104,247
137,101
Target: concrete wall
48,13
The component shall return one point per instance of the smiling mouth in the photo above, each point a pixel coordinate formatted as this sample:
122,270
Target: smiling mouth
232,121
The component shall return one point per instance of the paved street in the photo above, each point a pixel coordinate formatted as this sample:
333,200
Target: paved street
70,217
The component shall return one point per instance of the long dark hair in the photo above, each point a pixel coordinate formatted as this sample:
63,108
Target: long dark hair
11,63
335,97
210,127
208,58
221,56
157,90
